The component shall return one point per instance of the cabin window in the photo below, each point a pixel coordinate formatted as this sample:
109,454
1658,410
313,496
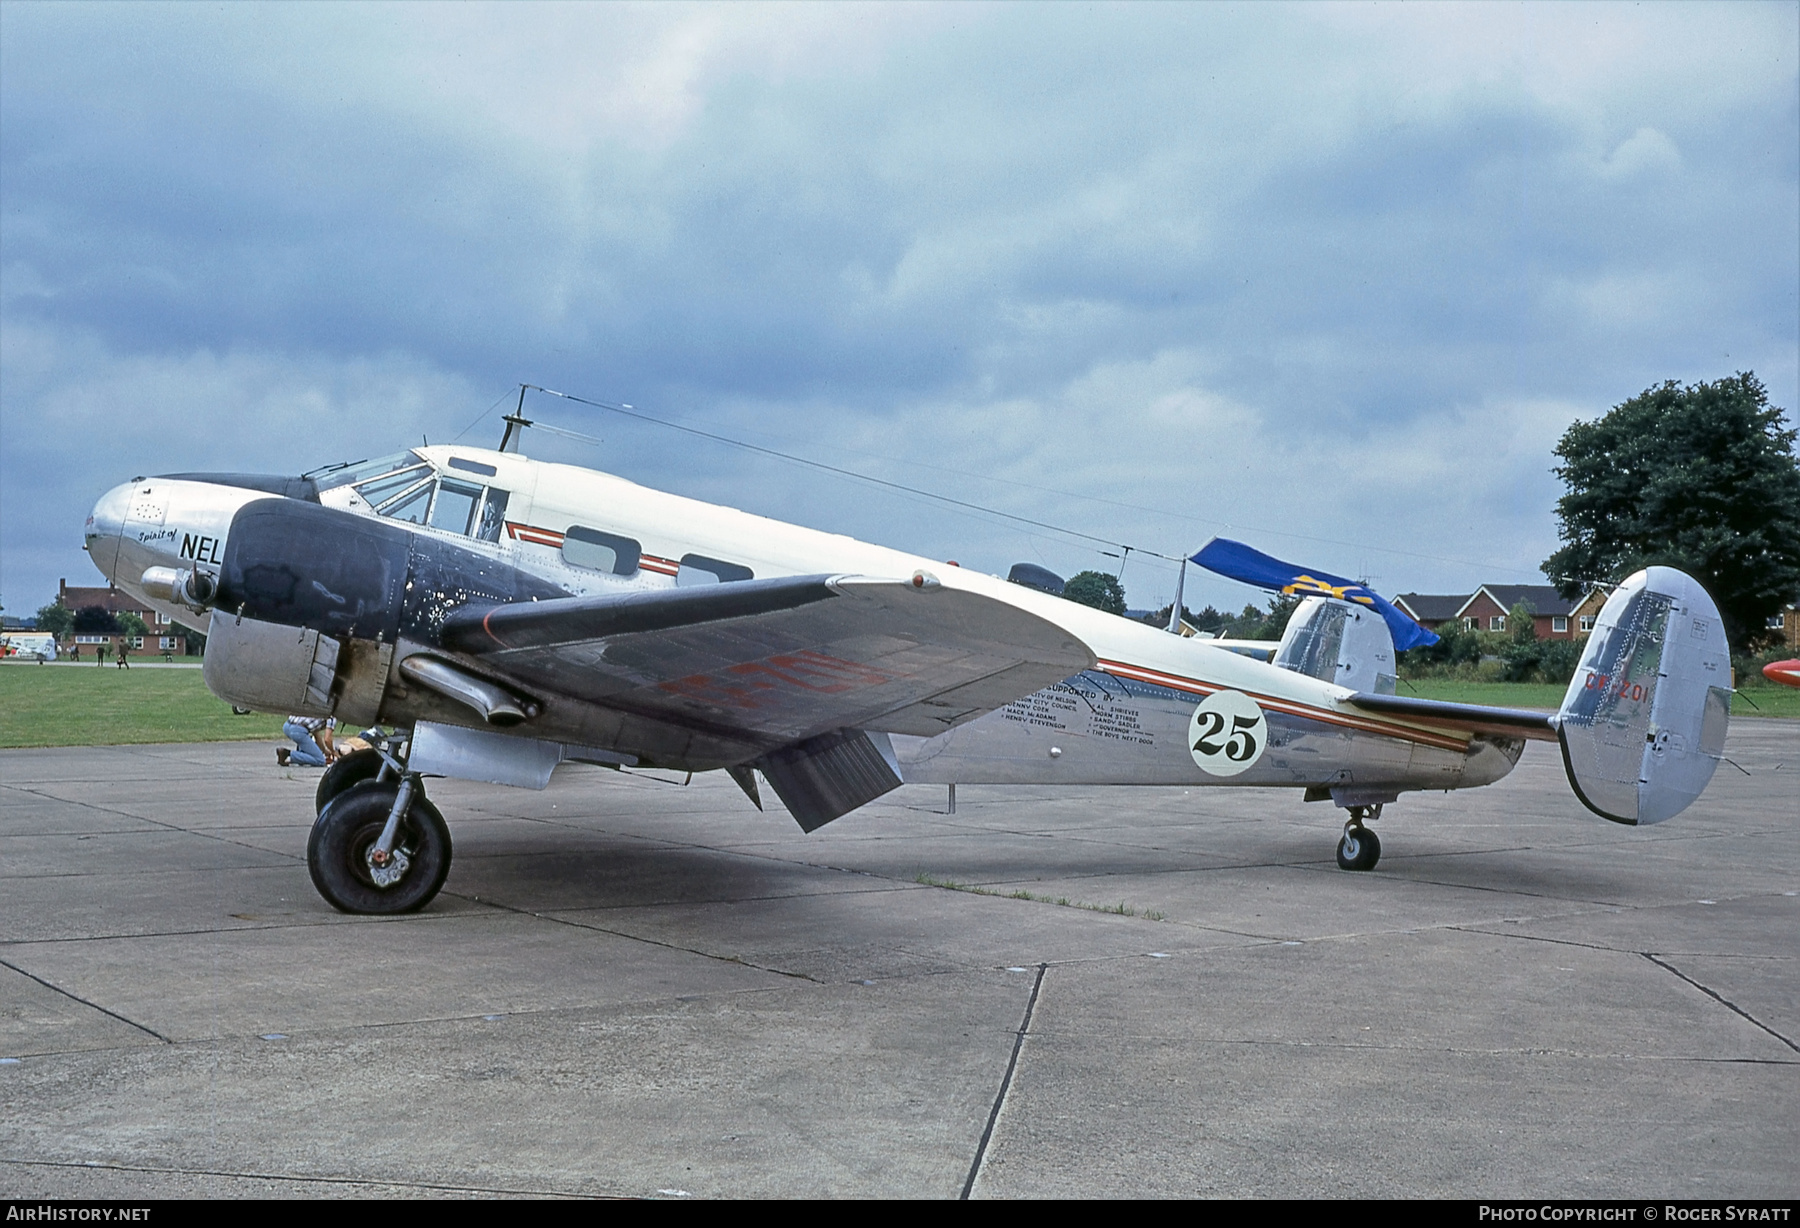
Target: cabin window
469,466
454,510
600,551
698,569
1560,624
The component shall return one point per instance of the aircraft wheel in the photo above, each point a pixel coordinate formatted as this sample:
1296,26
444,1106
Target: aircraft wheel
1358,850
346,774
338,854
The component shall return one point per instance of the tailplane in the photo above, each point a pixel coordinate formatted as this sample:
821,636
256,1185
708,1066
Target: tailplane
1643,723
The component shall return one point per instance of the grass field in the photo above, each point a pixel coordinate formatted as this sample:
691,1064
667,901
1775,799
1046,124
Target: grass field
1761,700
44,705
59,706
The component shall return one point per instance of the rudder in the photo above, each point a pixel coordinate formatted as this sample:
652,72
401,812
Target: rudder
1643,722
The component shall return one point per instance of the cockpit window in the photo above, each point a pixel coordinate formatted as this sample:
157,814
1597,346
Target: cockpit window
405,487
383,490
411,506
359,471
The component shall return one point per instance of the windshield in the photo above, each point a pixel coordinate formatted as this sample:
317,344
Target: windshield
357,471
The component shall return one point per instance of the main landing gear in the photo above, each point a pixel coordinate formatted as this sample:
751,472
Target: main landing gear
1359,849
378,846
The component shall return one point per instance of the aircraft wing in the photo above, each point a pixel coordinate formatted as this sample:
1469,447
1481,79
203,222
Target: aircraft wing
768,663
1470,718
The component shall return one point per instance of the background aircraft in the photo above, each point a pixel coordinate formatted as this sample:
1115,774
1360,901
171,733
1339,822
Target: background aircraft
508,615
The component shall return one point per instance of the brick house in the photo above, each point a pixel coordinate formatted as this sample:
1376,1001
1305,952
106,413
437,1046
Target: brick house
165,635
1587,610
1554,616
1784,626
1489,608
1430,611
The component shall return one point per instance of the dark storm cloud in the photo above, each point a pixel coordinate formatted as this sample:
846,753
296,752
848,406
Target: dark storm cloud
1234,263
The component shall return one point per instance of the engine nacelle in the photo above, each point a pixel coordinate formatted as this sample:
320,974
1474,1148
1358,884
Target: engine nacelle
276,668
313,604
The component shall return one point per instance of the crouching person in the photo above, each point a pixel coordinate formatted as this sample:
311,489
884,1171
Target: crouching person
312,741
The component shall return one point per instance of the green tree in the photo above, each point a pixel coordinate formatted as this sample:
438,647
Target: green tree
1526,658
1521,621
131,624
1255,624
1208,619
1097,589
1703,478
57,620
95,620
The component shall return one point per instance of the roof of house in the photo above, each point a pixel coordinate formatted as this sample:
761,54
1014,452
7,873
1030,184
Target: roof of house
1430,608
108,598
1543,599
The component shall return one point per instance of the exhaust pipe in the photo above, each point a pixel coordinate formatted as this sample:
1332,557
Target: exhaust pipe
495,705
194,589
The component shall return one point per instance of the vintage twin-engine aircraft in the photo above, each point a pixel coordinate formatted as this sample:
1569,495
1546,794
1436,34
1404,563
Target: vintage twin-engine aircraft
506,615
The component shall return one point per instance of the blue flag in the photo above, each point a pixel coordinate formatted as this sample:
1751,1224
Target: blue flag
1240,562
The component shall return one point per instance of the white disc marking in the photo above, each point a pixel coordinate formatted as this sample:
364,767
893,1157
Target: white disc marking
1227,733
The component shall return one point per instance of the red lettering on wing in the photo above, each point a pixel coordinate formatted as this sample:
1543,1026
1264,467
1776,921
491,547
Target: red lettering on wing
749,685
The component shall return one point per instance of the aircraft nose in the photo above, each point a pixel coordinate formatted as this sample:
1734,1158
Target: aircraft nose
105,525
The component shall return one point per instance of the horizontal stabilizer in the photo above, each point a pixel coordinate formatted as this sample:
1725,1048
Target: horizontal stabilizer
1470,718
1262,650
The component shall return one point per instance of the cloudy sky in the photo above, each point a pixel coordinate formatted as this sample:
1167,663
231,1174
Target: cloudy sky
1331,279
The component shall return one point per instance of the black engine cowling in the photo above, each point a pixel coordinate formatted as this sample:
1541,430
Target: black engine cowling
313,600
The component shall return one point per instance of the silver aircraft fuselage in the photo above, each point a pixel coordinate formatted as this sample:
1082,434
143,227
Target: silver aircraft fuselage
1155,708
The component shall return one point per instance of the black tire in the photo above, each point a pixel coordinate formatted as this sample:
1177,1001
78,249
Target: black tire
337,853
346,774
1358,850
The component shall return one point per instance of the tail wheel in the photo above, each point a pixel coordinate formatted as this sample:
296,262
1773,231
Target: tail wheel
346,774
1358,849
345,836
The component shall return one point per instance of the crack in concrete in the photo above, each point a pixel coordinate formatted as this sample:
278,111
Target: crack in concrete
91,1005
1727,1003
667,946
1012,1065
158,823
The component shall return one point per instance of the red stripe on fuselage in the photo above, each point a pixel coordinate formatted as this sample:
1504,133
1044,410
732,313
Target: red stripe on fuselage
532,534
1194,686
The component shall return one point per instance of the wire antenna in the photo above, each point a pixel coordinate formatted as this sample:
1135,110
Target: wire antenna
516,422
630,412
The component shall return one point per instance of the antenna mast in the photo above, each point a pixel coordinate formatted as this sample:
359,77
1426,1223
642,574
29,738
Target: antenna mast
516,421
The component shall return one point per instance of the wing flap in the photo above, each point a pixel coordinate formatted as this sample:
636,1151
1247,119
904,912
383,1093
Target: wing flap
1470,718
